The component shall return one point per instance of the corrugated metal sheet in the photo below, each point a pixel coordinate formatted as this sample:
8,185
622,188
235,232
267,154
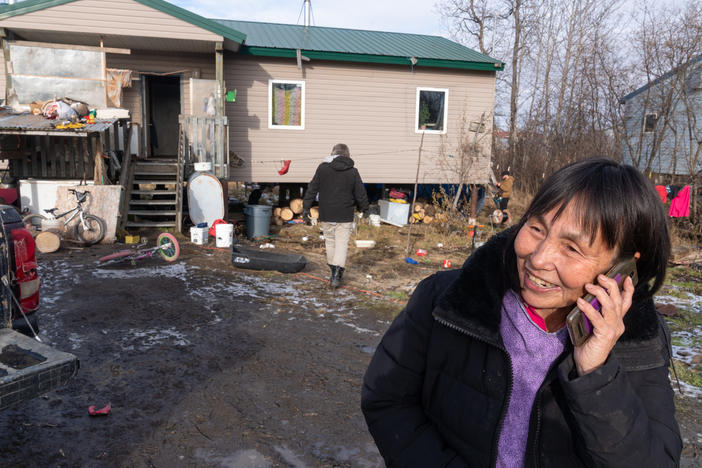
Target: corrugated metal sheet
30,122
353,41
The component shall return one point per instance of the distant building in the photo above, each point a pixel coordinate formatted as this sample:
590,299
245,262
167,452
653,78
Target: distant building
663,123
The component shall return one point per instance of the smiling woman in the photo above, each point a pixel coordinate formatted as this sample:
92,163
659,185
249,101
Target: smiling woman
478,370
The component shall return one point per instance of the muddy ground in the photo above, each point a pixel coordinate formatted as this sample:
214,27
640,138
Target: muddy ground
206,365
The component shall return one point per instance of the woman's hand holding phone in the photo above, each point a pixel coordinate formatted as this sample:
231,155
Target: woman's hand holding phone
608,324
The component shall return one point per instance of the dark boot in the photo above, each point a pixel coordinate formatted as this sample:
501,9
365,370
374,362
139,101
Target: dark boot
335,280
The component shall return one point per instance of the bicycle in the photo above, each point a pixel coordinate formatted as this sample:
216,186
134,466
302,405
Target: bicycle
166,245
90,229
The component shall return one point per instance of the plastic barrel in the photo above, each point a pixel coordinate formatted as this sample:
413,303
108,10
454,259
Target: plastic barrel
258,220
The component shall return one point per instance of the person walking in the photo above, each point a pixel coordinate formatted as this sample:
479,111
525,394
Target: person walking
339,186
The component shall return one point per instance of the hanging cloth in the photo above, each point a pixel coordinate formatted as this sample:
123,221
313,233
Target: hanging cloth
116,80
286,166
662,192
680,205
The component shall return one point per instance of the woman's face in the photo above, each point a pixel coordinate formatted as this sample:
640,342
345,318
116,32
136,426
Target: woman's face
555,260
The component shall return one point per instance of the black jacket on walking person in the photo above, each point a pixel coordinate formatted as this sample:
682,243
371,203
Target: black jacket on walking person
436,390
340,187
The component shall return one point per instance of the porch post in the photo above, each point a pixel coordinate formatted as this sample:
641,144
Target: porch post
219,73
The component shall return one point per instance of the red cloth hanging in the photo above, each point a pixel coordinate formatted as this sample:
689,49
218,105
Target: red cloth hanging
286,166
662,192
680,205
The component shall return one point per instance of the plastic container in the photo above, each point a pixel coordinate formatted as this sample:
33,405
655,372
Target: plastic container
258,220
225,235
394,213
365,244
202,166
199,235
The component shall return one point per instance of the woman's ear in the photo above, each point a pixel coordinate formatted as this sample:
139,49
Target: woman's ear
637,255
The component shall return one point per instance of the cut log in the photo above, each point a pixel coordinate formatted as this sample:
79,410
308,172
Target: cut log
418,207
277,220
427,219
286,214
47,242
314,212
296,205
276,211
429,210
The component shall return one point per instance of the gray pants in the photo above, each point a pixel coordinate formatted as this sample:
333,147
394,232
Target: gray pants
336,240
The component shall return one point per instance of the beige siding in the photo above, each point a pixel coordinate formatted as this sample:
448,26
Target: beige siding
185,65
109,17
369,107
3,78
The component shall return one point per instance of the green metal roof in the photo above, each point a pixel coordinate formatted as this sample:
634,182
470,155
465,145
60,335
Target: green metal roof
283,40
28,6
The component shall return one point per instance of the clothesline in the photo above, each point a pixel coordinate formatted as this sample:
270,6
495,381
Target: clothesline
319,158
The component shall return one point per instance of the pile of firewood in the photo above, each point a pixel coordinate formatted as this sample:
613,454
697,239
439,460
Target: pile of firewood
293,211
426,213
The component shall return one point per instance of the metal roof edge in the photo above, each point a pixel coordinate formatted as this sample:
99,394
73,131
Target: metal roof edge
658,80
195,19
29,6
369,58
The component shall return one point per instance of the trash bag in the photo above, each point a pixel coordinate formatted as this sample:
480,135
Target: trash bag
59,110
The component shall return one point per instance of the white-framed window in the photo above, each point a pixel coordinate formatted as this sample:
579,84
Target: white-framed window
649,123
431,111
286,104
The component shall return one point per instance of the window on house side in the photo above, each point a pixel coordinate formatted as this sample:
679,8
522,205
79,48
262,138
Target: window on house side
286,104
650,122
432,107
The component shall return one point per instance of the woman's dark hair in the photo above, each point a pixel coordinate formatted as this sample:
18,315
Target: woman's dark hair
617,201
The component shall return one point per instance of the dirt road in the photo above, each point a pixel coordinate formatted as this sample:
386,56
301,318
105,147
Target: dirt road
208,366
203,366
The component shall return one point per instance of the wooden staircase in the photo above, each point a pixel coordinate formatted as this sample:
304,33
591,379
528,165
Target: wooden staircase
154,194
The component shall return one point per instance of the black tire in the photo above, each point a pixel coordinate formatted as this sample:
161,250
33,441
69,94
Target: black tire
95,232
34,220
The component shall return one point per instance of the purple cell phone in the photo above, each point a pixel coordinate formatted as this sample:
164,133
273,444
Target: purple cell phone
579,327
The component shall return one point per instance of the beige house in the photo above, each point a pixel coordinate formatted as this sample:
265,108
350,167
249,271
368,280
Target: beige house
280,92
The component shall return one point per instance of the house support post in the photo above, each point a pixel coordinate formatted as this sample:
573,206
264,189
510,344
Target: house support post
223,171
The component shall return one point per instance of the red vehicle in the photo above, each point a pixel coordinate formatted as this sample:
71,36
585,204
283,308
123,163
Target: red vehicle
28,368
23,278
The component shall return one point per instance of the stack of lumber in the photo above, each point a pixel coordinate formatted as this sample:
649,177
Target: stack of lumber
282,215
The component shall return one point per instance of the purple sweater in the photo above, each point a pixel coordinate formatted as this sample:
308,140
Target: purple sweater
532,351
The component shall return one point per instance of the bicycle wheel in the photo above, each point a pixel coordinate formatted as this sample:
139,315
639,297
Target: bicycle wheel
116,257
170,253
93,232
33,221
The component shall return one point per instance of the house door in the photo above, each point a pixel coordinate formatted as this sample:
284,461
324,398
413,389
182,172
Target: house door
162,105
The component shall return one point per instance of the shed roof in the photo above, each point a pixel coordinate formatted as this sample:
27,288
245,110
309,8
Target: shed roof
28,6
283,40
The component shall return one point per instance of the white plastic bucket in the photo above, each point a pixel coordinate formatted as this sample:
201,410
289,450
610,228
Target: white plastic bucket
198,235
374,220
224,234
203,166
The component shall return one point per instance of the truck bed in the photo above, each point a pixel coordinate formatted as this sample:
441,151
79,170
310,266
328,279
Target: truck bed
29,368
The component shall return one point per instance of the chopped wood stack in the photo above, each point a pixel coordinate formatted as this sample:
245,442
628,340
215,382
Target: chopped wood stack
426,213
282,215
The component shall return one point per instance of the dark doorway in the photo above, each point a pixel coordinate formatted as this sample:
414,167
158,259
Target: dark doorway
161,115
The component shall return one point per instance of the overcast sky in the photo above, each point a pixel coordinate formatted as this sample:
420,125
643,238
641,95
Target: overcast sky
407,16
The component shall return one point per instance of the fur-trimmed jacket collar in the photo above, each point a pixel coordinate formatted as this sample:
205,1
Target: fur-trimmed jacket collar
472,303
